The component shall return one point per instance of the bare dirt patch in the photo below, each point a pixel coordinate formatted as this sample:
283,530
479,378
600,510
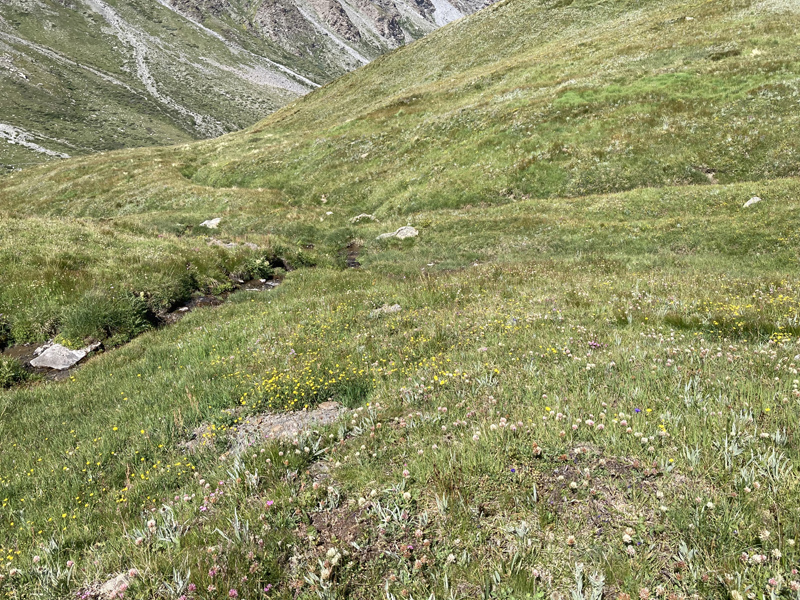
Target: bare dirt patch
257,429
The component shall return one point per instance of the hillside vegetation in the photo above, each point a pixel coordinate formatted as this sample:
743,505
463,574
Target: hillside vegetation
82,76
589,387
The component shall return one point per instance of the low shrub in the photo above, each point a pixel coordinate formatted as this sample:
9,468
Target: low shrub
11,372
115,319
258,267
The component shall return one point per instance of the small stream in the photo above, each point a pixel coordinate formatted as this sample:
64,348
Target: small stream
25,353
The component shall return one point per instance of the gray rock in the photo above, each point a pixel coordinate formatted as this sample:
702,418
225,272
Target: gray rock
752,201
221,244
211,223
363,217
41,349
115,587
401,234
60,357
385,310
259,428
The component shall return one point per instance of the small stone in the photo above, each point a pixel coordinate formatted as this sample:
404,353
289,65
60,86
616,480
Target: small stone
752,201
41,349
115,588
401,234
362,217
211,223
385,310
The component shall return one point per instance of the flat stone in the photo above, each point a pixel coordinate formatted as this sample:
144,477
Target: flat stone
211,223
285,426
58,357
401,234
257,429
221,244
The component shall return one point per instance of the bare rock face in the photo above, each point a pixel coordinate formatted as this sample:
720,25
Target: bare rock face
334,15
200,9
208,67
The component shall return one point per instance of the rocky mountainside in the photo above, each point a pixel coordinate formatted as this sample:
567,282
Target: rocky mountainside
80,76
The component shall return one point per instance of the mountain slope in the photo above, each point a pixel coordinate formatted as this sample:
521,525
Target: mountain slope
85,75
550,100
580,379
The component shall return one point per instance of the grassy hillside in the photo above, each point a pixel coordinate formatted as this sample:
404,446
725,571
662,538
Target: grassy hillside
82,76
590,389
550,100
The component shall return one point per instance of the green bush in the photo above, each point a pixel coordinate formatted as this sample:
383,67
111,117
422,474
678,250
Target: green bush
176,291
259,267
116,319
11,372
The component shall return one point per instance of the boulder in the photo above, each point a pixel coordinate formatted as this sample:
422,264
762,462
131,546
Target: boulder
401,234
60,357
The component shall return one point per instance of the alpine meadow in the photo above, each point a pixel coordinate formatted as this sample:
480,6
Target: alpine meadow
511,312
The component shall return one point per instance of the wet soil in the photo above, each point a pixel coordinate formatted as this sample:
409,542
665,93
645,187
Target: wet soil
253,285
350,254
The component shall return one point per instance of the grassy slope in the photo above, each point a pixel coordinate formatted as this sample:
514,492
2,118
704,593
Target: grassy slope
664,312
575,105
67,94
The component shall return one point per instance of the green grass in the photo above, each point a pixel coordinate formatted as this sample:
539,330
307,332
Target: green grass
596,360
